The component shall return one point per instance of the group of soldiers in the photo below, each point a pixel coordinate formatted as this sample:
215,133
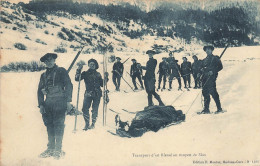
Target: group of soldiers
55,88
168,68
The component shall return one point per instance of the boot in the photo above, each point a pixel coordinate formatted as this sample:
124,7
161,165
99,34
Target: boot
47,153
159,100
92,126
170,85
150,100
205,111
86,122
220,110
58,154
86,127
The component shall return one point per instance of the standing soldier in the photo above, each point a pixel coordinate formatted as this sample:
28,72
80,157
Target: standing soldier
186,71
118,69
93,82
174,70
149,79
55,83
196,71
211,65
136,72
163,72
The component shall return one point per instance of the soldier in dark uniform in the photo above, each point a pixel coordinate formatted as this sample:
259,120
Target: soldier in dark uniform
196,71
136,72
174,70
186,71
163,72
56,85
118,69
149,79
93,82
211,65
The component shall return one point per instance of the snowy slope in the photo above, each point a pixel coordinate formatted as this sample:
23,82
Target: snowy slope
233,135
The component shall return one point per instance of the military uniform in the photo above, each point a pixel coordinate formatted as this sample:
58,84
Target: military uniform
186,71
210,64
93,82
57,84
118,69
163,72
174,71
196,72
136,72
149,81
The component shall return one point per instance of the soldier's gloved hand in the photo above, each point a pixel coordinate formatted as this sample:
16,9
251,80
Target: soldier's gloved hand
69,107
80,66
210,73
42,110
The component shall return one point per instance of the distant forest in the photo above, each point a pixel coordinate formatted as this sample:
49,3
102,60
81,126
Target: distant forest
230,24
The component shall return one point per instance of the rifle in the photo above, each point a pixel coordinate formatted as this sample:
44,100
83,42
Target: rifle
125,60
74,60
223,51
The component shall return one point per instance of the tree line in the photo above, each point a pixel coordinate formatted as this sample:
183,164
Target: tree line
230,24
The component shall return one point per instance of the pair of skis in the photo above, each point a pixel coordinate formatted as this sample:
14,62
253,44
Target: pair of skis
105,90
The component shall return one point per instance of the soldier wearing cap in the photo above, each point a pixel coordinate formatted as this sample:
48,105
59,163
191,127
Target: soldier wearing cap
174,70
163,72
149,79
93,83
196,71
136,72
211,65
56,87
118,69
186,71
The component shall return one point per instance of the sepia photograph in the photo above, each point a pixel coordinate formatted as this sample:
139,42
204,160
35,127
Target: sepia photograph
130,82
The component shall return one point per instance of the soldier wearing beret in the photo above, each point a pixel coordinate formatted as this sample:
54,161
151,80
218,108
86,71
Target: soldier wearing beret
211,65
56,87
149,79
118,69
93,82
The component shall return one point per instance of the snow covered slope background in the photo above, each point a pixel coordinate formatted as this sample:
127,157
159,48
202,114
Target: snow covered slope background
231,136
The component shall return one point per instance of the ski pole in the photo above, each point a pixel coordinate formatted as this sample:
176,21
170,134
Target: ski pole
136,81
124,79
77,106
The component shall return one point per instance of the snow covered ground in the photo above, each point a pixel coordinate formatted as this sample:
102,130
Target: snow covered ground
232,136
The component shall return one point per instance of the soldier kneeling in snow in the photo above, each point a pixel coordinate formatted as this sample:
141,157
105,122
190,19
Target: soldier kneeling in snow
55,83
93,93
